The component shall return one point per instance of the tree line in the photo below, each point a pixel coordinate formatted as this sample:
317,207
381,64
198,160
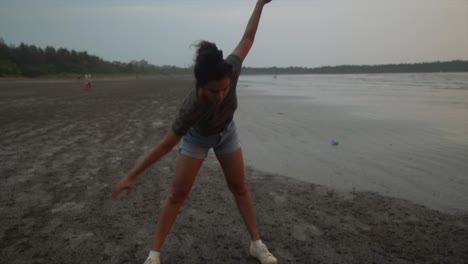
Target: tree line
449,66
32,61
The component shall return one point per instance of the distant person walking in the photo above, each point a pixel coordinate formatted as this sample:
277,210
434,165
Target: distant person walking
205,121
87,78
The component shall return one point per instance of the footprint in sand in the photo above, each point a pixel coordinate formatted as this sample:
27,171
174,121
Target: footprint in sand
278,198
70,206
303,232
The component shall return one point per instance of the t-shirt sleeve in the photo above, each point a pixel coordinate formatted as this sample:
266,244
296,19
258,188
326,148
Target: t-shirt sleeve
188,115
236,63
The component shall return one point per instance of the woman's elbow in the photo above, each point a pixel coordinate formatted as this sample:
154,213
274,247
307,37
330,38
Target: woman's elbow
166,147
169,142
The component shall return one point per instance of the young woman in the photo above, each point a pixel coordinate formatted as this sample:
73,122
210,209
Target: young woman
205,121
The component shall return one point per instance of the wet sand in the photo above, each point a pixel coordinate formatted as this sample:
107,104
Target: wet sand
401,135
62,147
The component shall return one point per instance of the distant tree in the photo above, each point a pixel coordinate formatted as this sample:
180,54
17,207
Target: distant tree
4,51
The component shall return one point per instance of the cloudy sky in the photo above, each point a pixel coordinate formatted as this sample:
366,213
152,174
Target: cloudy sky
307,33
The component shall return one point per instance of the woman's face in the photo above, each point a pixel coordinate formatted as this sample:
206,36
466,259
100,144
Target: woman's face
216,91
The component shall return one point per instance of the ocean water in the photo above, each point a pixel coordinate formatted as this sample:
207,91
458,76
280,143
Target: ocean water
401,135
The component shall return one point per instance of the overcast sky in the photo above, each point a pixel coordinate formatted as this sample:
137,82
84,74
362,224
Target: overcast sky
307,33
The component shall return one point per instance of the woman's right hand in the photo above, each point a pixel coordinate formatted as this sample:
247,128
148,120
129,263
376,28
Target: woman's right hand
264,1
125,184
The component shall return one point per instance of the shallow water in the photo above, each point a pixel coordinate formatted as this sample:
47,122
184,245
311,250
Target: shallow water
402,135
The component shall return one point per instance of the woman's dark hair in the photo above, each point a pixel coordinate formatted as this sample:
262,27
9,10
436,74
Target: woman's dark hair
209,64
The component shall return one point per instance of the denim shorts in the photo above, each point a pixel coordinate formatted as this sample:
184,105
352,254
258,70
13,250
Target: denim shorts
197,146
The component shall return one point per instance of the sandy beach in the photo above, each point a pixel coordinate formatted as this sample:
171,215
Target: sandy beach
63,146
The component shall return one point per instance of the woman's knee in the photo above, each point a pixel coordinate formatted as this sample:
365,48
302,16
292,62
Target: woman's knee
239,189
178,196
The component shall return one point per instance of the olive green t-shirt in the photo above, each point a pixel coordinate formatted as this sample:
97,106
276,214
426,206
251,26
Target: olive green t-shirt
209,119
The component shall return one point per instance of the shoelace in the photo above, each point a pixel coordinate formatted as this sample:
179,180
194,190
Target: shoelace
149,260
265,250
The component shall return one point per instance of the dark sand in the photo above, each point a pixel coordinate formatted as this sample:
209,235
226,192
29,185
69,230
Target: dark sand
62,147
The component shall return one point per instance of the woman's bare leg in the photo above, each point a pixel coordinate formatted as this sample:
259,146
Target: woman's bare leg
186,171
233,168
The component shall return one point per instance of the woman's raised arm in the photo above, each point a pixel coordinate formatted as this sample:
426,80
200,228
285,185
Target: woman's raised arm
247,40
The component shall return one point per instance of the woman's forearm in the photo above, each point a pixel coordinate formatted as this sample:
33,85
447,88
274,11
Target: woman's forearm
254,20
156,154
166,145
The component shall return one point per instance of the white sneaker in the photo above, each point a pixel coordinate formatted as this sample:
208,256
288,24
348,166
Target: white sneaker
152,260
262,254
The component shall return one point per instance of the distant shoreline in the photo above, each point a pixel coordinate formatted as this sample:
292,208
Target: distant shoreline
427,67
74,76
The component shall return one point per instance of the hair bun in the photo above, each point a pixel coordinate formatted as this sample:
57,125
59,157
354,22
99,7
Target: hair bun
219,55
209,63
